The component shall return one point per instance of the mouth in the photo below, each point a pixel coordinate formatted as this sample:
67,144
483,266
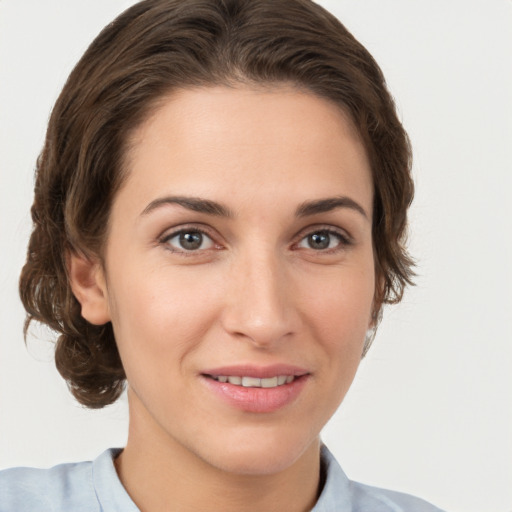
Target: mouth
254,382
257,389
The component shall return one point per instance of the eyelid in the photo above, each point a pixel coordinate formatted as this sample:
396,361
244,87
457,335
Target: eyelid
313,228
169,232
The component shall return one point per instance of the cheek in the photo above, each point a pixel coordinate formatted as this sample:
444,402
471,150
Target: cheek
340,306
159,312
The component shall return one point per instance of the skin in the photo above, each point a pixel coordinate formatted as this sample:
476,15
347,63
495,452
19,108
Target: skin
255,292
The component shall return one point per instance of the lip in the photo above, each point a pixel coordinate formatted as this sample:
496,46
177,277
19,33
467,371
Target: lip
256,400
259,372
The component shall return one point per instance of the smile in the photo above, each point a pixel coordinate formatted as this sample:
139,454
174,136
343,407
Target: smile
257,389
254,382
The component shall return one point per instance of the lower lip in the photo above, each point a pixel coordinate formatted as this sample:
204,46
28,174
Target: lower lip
261,400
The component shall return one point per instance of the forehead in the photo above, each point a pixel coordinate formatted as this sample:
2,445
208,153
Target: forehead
235,141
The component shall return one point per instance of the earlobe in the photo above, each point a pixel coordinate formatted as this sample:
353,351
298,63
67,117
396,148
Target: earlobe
88,284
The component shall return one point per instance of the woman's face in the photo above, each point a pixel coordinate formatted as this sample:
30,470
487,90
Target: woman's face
240,256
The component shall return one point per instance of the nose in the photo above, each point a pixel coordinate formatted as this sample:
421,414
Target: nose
259,306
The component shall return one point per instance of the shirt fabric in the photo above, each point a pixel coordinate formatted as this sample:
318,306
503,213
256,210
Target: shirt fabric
95,487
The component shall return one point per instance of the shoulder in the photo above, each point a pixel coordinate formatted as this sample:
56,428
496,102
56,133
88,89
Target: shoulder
62,488
340,493
366,497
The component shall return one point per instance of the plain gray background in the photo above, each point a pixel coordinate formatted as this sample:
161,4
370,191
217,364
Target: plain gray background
430,411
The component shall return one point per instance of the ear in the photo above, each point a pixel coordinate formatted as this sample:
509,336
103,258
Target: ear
88,284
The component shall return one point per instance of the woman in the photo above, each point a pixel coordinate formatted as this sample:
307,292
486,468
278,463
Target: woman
219,216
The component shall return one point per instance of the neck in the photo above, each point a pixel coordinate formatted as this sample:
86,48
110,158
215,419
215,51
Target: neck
160,474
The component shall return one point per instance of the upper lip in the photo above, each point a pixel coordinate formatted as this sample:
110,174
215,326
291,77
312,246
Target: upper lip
260,372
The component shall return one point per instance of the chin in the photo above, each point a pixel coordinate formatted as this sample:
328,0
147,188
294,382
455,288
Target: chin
259,454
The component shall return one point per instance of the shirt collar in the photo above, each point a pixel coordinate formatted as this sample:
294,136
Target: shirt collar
336,492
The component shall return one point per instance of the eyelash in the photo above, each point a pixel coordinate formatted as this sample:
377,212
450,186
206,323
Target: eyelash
344,240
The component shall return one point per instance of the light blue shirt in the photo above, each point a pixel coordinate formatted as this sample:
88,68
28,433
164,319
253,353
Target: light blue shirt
95,487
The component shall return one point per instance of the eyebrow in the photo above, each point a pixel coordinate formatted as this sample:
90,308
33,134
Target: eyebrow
328,204
209,207
195,204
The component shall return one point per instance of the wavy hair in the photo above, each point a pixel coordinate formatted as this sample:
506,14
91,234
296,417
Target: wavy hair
151,49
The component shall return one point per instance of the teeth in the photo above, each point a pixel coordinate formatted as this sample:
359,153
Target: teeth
251,382
269,383
254,382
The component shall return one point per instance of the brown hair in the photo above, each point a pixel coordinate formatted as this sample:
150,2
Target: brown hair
150,50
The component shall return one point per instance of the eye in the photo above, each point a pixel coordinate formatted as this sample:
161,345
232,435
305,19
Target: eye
322,240
189,240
